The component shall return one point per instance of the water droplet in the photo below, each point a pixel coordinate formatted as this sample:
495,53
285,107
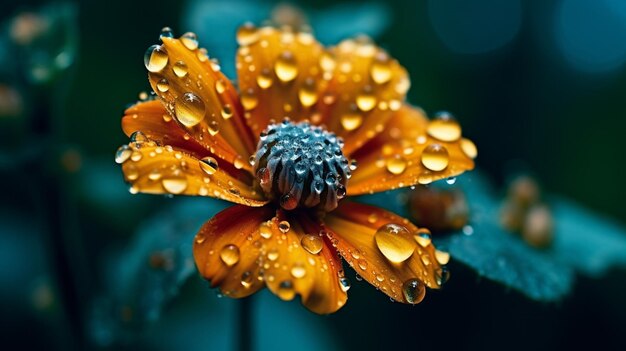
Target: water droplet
155,58
174,184
208,165
308,93
180,69
265,230
200,238
298,271
344,284
249,99
394,243
366,101
423,237
272,255
413,291
444,127
166,32
451,180
469,148
189,109
264,80
362,264
442,257
122,154
163,85
189,40
284,226
286,291
214,127
138,138
230,254
136,156
285,67
372,218
155,175
247,279
312,243
435,157
381,70
351,121
247,34
220,86
396,164
227,111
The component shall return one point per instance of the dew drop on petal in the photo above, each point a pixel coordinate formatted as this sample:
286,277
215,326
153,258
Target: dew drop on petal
351,121
189,40
442,275
189,109
284,226
442,257
220,86
413,291
380,70
444,127
155,58
247,34
366,101
396,164
298,271
265,230
264,80
208,165
163,85
344,284
166,32
423,237
469,149
122,154
435,157
394,243
247,279
285,67
174,184
180,69
312,243
249,100
229,254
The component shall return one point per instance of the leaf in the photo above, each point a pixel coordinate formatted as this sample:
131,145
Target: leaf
144,276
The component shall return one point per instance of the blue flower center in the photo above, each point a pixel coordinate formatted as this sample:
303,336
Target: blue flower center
301,165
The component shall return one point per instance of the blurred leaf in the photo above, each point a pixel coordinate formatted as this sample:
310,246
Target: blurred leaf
208,17
143,277
589,242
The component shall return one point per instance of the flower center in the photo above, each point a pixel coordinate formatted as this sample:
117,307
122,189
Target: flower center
301,165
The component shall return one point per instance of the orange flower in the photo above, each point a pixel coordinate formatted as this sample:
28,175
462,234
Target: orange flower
279,147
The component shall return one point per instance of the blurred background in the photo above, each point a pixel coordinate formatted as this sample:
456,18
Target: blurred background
538,85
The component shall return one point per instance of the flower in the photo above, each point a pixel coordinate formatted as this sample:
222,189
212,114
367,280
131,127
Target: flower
285,147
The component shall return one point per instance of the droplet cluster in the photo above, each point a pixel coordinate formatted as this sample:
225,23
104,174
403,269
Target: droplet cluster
302,165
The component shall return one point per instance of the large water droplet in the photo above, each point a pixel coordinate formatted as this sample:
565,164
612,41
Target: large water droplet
174,184
284,226
189,109
381,69
155,58
435,157
312,243
286,67
344,284
180,69
308,93
229,254
469,149
208,165
413,291
247,34
442,257
444,127
227,111
396,164
351,121
122,154
163,85
366,100
189,40
298,271
423,237
393,240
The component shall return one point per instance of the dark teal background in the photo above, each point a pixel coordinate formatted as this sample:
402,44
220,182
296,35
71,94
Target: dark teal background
523,104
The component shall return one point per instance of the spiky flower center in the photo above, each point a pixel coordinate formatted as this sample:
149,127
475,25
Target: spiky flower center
301,165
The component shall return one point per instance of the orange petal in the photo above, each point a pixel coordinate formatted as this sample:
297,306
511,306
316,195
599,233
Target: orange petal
383,249
153,120
226,250
411,150
366,87
201,99
269,247
280,75
154,169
